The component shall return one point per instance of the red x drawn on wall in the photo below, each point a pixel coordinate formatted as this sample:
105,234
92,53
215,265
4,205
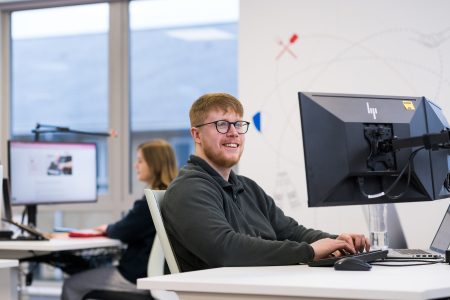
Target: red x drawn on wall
286,47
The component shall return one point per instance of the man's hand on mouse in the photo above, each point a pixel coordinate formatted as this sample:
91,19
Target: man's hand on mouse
343,244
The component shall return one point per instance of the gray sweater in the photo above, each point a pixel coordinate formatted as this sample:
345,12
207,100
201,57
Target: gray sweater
216,223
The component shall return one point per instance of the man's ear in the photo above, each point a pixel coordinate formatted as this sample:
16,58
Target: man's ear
195,135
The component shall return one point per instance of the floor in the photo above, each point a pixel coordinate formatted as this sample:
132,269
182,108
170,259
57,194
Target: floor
46,283
43,290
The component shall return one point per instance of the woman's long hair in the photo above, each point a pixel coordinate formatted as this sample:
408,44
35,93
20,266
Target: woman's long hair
161,160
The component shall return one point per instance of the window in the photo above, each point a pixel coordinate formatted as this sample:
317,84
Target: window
179,50
59,74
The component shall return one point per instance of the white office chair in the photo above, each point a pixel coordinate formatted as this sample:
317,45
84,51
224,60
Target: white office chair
154,199
156,259
155,268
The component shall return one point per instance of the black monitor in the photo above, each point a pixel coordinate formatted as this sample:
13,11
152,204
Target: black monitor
365,149
52,172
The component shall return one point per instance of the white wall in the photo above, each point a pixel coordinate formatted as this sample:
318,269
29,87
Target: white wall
371,47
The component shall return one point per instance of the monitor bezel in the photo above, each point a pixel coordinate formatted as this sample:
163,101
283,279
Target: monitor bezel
31,203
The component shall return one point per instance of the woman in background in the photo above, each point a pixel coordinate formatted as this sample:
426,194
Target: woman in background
155,165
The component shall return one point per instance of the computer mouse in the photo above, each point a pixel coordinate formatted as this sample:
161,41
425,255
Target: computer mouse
351,264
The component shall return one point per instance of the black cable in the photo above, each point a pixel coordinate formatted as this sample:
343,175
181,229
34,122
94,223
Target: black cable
23,215
407,166
421,262
396,181
395,197
24,212
411,158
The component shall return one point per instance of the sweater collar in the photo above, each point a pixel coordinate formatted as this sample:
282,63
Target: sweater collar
234,182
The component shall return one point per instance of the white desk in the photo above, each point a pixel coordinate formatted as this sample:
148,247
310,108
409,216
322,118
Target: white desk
303,282
25,249
8,278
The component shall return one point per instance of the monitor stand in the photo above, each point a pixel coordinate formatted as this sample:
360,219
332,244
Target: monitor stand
31,212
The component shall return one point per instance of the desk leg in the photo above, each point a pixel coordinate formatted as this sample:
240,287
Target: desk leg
9,283
22,282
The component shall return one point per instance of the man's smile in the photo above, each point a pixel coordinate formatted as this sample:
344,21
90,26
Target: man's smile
231,145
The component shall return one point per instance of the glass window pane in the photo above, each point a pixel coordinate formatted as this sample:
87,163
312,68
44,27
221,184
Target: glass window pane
179,51
59,74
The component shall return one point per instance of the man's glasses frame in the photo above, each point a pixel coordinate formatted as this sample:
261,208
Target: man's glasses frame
223,126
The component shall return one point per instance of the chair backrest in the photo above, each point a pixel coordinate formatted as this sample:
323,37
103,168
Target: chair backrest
154,199
156,259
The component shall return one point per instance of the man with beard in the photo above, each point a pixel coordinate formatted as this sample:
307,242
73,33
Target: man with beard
216,218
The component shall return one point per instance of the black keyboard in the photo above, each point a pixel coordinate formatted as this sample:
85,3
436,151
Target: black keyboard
364,256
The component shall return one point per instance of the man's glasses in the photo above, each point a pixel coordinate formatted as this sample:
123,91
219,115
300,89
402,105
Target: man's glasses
223,126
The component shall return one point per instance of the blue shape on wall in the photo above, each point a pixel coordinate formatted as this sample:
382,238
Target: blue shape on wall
257,121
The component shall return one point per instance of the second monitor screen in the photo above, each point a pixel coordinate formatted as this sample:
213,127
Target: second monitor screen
43,172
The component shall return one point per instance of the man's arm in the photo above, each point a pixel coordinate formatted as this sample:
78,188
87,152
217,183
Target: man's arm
323,243
194,216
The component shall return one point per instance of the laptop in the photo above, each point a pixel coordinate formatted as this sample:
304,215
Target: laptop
439,245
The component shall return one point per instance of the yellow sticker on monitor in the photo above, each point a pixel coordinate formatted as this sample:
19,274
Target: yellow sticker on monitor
409,105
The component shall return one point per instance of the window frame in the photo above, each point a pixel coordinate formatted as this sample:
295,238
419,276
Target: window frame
118,198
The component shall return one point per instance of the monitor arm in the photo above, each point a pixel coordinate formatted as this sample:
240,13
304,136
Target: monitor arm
432,141
383,144
42,128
